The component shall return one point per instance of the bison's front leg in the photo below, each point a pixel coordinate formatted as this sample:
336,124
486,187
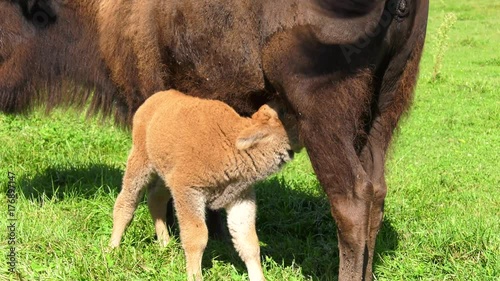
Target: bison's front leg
373,159
331,111
348,188
394,100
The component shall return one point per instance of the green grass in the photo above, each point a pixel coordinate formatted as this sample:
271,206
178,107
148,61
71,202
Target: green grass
442,209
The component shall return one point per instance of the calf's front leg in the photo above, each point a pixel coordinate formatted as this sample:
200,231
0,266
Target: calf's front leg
241,224
190,210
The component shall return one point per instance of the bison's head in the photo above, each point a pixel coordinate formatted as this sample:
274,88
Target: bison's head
43,41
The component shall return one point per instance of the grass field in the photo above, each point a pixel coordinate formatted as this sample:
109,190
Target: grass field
442,209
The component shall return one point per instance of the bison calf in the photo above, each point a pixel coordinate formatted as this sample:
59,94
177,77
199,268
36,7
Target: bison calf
205,155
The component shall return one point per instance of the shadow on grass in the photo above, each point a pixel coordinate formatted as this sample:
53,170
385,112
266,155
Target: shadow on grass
296,229
80,181
294,225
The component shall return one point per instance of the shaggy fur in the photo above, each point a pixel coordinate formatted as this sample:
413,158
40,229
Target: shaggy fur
207,155
345,68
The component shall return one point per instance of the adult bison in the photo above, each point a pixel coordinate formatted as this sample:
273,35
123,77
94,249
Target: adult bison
345,68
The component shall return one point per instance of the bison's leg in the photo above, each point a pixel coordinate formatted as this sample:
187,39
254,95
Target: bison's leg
158,196
329,118
348,188
373,158
394,100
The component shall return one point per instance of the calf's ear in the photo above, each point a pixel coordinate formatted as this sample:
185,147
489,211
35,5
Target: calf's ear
265,112
250,137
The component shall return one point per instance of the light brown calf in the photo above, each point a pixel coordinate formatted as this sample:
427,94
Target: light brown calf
207,156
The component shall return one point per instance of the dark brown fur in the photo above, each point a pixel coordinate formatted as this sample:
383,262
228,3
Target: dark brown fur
347,69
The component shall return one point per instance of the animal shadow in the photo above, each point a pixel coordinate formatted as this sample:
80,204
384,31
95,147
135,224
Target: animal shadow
81,181
294,225
296,229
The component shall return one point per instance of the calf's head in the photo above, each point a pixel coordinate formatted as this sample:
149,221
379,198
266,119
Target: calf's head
267,135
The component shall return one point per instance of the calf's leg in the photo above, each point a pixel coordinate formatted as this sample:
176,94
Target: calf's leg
241,224
158,196
137,176
214,219
190,209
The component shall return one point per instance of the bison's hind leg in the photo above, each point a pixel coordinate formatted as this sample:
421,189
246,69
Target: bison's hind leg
137,177
158,197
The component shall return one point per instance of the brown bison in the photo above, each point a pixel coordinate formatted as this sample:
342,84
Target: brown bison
207,156
345,68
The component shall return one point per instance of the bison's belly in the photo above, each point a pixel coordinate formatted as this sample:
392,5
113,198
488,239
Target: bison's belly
241,90
213,51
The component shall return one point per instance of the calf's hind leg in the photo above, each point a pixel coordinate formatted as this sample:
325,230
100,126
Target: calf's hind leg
137,176
158,196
